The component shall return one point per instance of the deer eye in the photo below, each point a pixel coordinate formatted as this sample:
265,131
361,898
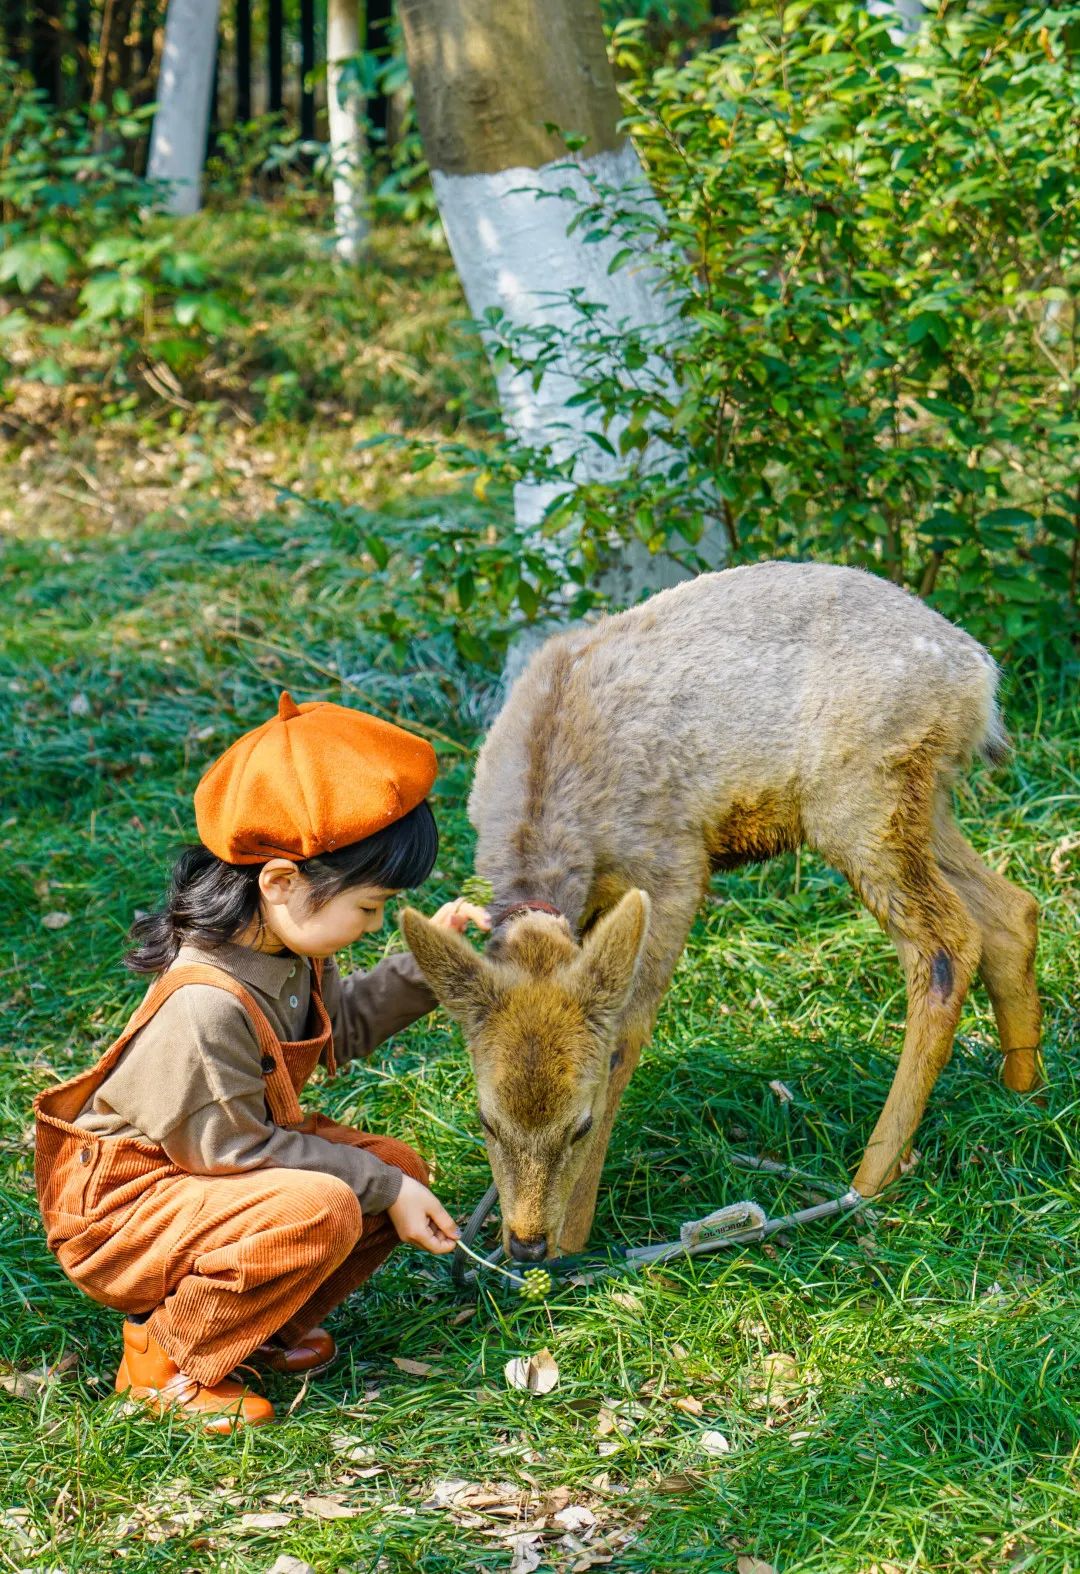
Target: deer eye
583,1130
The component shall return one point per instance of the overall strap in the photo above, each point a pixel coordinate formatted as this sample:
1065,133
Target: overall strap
317,964
283,1102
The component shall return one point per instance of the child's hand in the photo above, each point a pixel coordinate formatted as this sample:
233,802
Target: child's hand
457,915
420,1218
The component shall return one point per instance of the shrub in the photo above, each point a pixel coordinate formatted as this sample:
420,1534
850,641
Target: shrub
80,248
876,253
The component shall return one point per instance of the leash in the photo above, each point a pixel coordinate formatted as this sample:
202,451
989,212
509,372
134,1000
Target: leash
737,1224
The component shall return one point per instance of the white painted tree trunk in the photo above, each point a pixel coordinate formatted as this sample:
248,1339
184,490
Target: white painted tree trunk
908,16
345,109
178,140
493,79
508,236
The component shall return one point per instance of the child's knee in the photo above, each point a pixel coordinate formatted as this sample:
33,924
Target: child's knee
327,1213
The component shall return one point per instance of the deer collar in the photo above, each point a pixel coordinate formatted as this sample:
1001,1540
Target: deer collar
504,914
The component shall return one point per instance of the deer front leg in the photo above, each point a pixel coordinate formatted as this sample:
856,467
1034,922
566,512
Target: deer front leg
582,1204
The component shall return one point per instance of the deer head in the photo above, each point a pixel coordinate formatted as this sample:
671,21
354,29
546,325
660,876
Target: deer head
541,1014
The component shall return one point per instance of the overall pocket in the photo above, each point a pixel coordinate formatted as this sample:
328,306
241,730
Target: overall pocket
72,1176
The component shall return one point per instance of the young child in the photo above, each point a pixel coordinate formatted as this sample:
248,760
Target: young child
179,1179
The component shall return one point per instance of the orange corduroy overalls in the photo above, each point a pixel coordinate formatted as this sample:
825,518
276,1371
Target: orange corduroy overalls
222,1261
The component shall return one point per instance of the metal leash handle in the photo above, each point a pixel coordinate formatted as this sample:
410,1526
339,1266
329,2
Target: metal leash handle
462,1269
738,1224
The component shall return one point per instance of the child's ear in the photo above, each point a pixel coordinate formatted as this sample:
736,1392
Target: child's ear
460,978
277,879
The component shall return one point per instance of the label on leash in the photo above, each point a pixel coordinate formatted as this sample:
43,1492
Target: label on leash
732,1220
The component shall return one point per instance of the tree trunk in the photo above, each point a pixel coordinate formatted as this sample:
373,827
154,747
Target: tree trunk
275,26
345,111
178,141
489,77
46,48
242,19
907,16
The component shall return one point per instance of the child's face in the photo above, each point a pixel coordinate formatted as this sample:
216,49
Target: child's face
288,914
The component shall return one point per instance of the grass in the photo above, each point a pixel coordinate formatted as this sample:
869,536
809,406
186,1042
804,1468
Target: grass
928,1417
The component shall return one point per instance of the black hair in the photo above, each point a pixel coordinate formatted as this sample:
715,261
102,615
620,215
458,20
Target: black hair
210,902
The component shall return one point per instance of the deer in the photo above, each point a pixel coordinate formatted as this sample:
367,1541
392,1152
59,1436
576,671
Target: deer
739,715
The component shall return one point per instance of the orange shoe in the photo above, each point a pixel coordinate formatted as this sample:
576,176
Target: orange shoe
312,1352
147,1373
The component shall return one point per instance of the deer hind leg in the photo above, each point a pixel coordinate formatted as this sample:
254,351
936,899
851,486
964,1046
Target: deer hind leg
939,944
1008,922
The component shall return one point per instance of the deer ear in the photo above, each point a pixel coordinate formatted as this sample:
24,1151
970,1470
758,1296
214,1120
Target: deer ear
460,978
612,955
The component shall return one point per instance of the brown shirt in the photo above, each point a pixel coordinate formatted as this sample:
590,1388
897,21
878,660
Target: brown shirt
191,1079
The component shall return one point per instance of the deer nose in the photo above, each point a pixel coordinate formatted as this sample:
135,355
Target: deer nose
528,1251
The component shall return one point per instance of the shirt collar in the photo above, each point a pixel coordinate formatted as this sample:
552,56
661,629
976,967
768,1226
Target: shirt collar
263,970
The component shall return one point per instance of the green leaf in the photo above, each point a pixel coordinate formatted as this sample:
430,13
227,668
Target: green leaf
30,261
377,548
13,323
1009,518
112,295
465,585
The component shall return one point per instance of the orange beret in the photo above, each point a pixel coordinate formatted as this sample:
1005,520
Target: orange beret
316,777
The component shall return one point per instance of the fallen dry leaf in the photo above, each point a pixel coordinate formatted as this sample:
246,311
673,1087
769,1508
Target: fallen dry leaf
627,1300
782,1091
714,1443
463,1316
328,1508
353,1449
689,1405
444,1493
684,1481
56,920
28,1384
776,1383
413,1368
605,1423
24,1385
265,1521
300,1395
288,1565
525,1553
575,1518
748,1565
536,1374
1060,855
556,1499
